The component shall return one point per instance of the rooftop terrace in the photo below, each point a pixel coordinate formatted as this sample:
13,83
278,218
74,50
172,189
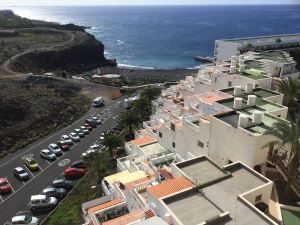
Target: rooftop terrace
154,149
276,56
259,92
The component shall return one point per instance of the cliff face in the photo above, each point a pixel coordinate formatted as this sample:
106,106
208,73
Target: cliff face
79,57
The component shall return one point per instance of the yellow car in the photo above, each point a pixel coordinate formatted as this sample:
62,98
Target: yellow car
31,164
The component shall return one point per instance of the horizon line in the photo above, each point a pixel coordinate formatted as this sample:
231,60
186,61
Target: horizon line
247,4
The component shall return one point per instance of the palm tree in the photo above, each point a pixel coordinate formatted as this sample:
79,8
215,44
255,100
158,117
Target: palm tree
129,119
97,161
288,135
112,141
290,89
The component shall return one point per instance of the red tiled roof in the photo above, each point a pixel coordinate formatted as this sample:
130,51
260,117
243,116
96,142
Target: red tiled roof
166,174
144,140
169,187
126,219
149,214
138,181
105,205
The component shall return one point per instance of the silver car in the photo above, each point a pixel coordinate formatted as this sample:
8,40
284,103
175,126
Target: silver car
20,173
55,192
74,137
47,154
67,139
85,130
79,132
42,202
55,149
24,219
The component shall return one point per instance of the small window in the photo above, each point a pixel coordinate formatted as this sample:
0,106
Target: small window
216,79
173,144
200,144
258,198
172,126
229,83
160,134
279,116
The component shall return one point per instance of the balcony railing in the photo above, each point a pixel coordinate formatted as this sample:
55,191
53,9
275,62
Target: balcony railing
280,163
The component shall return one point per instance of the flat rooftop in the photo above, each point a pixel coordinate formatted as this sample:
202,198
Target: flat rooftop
265,39
259,92
266,125
154,149
125,176
201,170
276,56
290,216
205,204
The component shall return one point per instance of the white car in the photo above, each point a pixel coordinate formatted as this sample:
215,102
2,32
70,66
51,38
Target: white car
42,202
47,154
24,219
74,137
94,147
85,130
79,132
55,149
67,139
98,120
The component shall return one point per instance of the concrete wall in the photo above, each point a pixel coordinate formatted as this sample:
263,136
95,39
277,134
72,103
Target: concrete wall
224,50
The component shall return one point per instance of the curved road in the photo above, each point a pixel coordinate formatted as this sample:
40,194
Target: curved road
5,68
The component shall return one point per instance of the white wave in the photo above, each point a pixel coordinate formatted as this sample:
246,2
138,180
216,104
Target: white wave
120,42
193,68
134,67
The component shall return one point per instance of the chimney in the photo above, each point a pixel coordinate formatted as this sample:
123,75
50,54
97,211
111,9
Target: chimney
249,88
237,104
237,91
257,117
251,100
232,69
243,120
242,68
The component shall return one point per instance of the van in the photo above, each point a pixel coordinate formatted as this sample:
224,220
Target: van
42,202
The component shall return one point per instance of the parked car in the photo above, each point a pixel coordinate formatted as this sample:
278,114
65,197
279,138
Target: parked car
62,183
85,130
55,192
79,164
88,126
74,173
97,119
67,139
31,164
24,219
79,132
20,173
4,186
91,122
63,145
74,137
47,154
55,149
42,202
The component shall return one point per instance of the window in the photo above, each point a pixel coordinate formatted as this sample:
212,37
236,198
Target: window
258,198
172,126
160,134
200,144
173,144
229,83
216,79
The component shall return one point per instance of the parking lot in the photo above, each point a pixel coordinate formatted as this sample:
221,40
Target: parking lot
16,202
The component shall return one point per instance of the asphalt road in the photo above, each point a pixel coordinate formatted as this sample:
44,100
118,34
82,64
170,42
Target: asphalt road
16,203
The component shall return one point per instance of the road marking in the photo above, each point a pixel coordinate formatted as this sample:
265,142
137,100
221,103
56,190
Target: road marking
40,168
1,198
48,162
7,222
26,211
27,156
30,172
64,162
10,185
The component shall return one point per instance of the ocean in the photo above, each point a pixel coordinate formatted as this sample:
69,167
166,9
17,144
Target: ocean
169,36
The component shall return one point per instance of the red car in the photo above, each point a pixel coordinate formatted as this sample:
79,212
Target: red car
74,173
88,126
4,186
63,145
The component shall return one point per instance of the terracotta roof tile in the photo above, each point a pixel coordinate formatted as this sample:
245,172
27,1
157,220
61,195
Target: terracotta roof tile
144,140
212,98
105,205
138,181
126,219
149,213
166,174
169,187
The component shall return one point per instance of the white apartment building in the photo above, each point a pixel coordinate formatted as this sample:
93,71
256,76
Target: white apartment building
226,48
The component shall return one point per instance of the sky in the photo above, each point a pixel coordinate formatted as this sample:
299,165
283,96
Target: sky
141,2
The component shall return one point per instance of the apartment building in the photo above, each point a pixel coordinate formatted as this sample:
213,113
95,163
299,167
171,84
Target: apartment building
226,48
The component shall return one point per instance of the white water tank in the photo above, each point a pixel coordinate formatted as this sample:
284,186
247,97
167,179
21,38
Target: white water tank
232,69
257,117
237,104
237,91
251,100
242,68
242,57
249,88
168,218
243,120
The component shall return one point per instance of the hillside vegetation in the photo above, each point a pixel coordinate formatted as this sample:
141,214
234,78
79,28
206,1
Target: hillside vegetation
32,108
